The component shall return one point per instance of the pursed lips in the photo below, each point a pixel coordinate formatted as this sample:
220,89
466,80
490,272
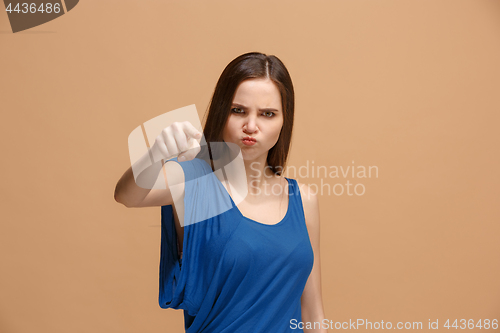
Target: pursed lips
249,138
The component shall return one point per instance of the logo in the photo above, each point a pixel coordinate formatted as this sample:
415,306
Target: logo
217,163
26,15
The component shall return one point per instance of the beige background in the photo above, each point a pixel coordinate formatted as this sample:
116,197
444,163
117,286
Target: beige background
408,86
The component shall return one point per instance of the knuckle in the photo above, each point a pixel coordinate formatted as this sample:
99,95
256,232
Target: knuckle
183,146
177,128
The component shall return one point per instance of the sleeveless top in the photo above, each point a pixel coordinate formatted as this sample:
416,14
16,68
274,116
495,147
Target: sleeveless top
236,275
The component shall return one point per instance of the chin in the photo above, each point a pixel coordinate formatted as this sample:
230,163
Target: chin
252,154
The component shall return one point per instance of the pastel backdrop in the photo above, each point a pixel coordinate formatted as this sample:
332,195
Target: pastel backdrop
410,87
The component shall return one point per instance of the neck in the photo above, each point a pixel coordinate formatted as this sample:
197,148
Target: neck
259,174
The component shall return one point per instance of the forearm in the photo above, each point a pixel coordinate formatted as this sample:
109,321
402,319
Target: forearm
128,192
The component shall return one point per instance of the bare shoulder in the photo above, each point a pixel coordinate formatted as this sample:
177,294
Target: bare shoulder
175,180
310,203
308,195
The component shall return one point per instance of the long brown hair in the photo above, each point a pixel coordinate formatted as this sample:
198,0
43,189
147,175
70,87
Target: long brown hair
253,65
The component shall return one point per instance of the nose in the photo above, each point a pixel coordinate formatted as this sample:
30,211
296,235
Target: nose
250,126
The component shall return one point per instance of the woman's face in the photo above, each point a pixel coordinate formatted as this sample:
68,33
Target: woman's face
256,112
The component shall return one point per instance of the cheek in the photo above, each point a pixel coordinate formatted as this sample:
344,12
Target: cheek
278,128
276,133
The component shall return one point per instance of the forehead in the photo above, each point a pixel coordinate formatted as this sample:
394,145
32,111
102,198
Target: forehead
259,93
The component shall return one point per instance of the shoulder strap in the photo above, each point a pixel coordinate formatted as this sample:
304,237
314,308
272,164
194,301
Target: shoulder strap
296,201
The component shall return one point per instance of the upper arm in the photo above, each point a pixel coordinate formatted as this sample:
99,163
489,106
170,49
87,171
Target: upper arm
311,301
311,213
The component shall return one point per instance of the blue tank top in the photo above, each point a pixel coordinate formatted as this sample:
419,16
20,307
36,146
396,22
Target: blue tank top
236,275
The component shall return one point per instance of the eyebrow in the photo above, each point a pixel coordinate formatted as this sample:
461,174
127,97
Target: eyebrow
264,109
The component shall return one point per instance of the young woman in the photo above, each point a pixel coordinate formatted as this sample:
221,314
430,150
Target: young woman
247,267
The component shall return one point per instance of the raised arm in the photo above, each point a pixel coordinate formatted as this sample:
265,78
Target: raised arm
134,189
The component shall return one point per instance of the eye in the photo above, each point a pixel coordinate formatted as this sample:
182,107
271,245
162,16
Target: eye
236,110
269,114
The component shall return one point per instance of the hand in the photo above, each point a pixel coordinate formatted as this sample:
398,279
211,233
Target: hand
180,139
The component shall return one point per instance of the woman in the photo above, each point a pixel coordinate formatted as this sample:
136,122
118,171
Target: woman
250,267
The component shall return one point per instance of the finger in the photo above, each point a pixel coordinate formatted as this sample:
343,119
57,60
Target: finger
191,131
169,140
180,139
193,143
162,149
192,152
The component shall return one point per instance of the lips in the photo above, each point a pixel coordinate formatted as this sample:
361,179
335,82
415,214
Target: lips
248,141
249,138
